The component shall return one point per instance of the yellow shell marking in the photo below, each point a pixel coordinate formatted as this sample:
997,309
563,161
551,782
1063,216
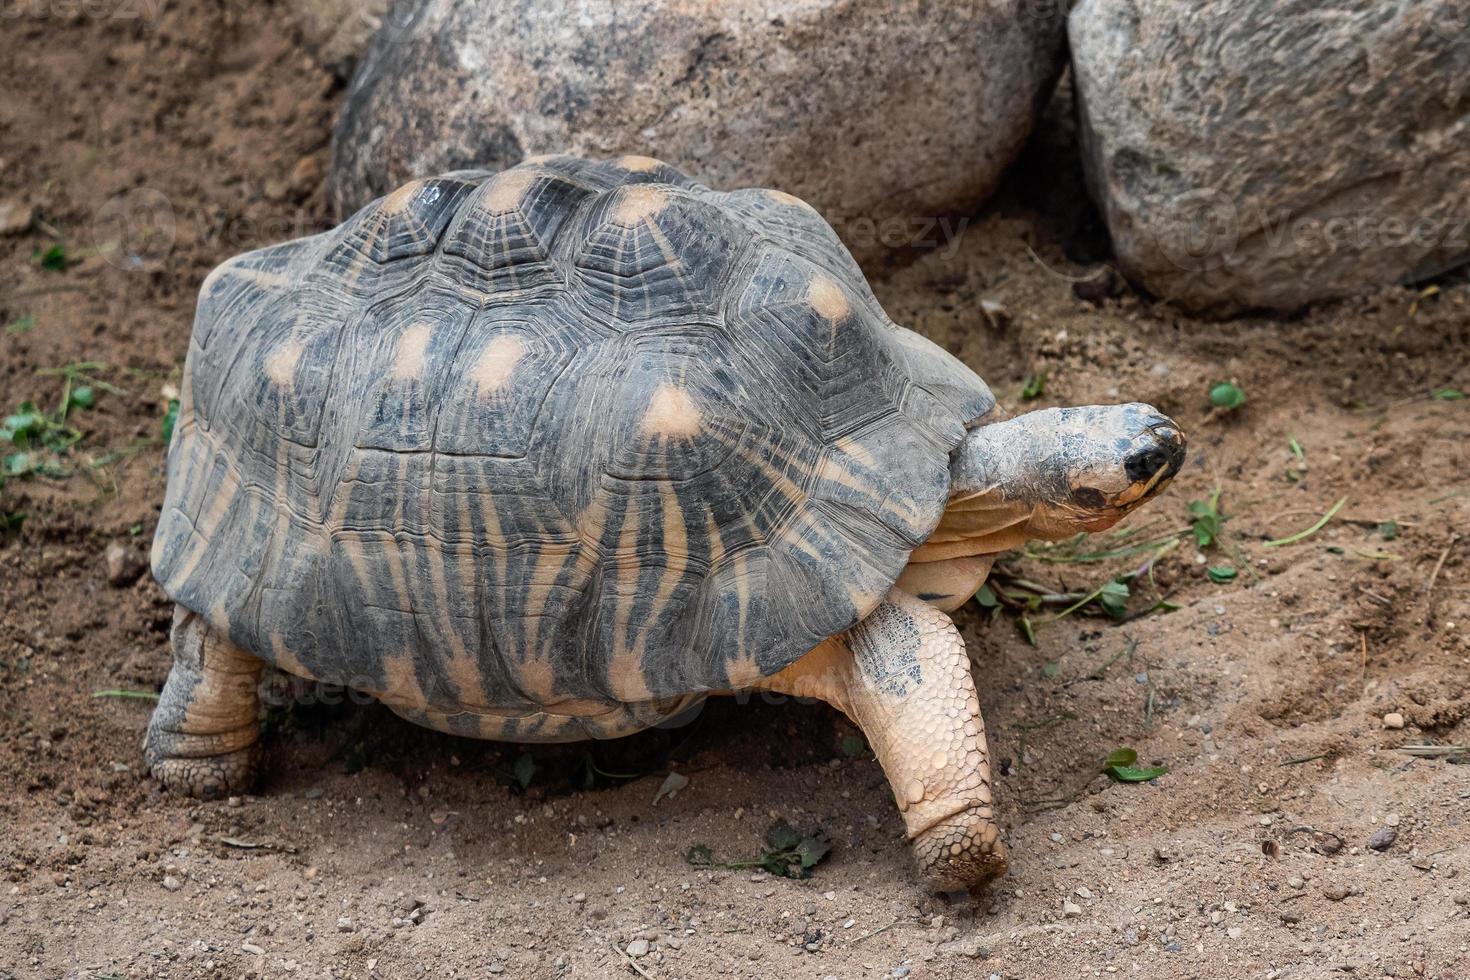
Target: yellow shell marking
827,298
786,198
671,412
280,367
637,203
497,363
397,202
638,164
408,359
508,189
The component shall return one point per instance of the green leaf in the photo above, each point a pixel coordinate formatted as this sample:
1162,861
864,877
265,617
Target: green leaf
1388,530
1113,597
1297,450
781,836
1206,520
1034,386
811,850
1128,774
25,424
1120,765
854,746
1227,396
170,419
1050,670
83,397
1027,630
1220,574
1448,395
986,597
52,259
524,769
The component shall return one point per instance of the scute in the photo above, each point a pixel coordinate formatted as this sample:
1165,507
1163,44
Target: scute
579,432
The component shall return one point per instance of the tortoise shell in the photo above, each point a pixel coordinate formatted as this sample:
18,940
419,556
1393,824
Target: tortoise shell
576,431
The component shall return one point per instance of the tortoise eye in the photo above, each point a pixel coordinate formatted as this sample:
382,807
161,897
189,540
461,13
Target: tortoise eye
1089,497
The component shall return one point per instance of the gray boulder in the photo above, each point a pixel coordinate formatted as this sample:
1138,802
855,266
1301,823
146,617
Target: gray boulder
337,31
882,114
1270,153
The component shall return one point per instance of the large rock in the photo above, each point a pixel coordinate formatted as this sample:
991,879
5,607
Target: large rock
1269,153
882,114
338,30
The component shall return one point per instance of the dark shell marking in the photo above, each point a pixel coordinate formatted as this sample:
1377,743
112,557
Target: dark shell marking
573,437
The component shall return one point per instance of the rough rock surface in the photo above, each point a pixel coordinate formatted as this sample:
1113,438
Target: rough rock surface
883,115
1269,153
338,31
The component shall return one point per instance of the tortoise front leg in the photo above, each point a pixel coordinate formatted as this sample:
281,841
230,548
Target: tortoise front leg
203,739
903,676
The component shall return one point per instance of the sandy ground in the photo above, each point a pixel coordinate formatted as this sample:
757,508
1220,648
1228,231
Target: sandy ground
156,145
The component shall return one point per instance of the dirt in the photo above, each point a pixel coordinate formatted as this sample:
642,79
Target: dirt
1264,696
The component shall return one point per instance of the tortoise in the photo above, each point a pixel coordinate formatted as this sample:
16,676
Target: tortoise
556,453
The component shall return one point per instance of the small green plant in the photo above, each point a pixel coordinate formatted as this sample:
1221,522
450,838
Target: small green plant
1388,530
1227,396
20,325
1122,765
788,853
1221,574
1206,520
1448,395
170,419
53,259
39,439
1034,386
853,746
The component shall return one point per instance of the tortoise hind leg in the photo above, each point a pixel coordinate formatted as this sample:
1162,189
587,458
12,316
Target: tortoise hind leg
204,737
903,676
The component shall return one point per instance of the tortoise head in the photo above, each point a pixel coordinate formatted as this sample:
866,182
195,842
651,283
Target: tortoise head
1053,473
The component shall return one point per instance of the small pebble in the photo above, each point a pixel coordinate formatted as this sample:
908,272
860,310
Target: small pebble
123,565
1392,820
1336,893
1393,720
638,947
1383,838
344,924
1071,908
171,884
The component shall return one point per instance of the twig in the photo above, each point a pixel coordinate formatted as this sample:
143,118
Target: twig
1454,537
870,935
632,963
1434,751
1363,659
1062,275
